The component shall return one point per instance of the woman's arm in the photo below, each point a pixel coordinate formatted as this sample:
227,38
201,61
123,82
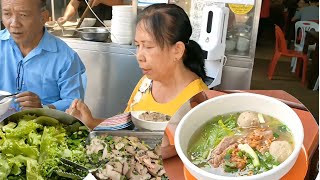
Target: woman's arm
71,10
108,2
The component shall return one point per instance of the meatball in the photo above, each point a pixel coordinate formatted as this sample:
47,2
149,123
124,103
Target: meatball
280,150
248,119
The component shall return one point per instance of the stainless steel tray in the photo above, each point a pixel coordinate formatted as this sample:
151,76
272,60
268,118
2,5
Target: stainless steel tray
59,115
150,138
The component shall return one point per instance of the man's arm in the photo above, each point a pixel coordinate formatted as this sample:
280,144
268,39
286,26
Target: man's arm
70,83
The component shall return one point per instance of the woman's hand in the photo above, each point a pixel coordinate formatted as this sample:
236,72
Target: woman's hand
80,110
61,20
28,100
167,150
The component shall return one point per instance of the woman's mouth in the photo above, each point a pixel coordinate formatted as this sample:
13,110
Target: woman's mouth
145,71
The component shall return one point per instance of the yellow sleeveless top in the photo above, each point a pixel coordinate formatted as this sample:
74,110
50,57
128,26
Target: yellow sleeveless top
147,103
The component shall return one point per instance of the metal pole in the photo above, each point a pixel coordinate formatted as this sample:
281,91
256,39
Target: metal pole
52,10
134,18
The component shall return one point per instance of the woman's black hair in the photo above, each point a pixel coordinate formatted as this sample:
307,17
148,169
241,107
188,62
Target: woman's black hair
169,24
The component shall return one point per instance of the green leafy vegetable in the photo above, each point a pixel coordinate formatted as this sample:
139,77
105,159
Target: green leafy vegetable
212,134
31,148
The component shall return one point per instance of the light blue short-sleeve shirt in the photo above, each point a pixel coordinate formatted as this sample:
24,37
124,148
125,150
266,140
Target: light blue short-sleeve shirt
307,13
52,70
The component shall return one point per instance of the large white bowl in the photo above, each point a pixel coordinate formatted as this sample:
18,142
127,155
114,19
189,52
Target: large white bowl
149,125
122,8
122,14
121,20
5,103
121,32
205,111
121,39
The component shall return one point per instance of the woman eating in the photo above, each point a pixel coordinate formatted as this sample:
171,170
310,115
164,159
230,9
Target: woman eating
172,64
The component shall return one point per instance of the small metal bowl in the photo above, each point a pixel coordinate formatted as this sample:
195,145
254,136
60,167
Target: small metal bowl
94,33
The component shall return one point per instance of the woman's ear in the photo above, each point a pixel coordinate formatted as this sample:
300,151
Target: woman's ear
179,49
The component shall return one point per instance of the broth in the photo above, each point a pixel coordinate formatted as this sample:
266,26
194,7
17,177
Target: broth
220,145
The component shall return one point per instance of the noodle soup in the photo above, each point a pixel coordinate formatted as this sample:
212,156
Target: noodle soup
240,144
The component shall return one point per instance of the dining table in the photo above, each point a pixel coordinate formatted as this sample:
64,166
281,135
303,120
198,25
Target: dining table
175,168
312,37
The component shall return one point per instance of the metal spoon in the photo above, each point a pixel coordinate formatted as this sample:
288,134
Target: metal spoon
62,28
5,96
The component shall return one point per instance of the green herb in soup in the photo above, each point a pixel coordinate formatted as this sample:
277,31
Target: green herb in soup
240,144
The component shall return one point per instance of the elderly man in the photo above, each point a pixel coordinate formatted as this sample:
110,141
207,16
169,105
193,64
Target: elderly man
40,67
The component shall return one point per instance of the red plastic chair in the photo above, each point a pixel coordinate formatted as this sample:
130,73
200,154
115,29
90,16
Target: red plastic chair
282,50
316,21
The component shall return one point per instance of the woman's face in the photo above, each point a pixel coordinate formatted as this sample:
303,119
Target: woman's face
301,3
155,63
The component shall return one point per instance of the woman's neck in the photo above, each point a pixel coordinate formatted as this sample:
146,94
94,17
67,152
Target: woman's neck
166,90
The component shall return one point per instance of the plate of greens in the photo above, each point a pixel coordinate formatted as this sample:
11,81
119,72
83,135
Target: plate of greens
32,143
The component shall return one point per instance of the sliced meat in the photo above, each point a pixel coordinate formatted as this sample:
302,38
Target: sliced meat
117,139
109,173
119,145
139,168
117,166
130,149
154,171
133,139
224,143
125,168
157,150
152,155
161,172
142,146
95,146
147,162
217,159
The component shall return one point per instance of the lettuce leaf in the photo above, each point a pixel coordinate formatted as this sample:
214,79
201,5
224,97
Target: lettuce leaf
4,168
18,147
23,129
211,135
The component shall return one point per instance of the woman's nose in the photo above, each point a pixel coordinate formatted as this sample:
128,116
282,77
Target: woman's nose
140,56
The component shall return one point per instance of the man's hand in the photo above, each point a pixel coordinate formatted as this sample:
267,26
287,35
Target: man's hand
28,100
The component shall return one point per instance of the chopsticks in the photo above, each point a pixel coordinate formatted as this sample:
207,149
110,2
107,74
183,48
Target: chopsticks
84,13
289,103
